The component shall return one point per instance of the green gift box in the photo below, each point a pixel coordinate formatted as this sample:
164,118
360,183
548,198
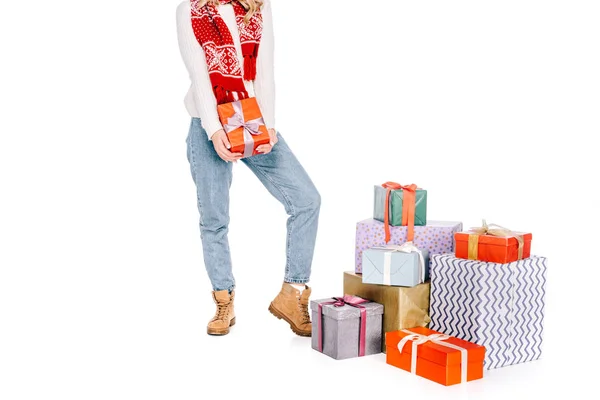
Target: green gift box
395,208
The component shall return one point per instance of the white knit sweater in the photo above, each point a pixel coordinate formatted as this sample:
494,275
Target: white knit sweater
200,100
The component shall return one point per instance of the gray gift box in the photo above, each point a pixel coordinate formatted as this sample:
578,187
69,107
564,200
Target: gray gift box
341,329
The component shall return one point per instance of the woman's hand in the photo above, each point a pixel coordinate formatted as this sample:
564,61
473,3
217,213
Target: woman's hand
266,148
222,146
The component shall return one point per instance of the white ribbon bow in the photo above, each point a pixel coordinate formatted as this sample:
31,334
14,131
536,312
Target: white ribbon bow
408,248
438,338
250,127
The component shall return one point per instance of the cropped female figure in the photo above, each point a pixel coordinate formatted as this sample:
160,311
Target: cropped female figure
227,48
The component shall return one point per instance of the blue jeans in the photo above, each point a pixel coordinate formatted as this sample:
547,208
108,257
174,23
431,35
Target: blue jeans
282,175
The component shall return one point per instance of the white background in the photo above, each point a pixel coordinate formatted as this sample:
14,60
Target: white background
491,106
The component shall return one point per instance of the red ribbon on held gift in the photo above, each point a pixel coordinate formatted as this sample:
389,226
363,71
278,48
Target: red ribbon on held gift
353,301
409,199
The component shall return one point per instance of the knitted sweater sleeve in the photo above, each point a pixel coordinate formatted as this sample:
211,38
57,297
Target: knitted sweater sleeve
195,62
264,83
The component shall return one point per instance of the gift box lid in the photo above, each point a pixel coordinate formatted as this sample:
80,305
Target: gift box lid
345,311
437,353
493,240
430,224
390,249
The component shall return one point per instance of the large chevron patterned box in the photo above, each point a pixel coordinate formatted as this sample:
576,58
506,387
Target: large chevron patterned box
499,306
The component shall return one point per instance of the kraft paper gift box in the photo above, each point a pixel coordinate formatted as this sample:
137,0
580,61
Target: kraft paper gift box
499,306
403,307
244,125
395,206
346,327
440,358
404,265
493,243
437,237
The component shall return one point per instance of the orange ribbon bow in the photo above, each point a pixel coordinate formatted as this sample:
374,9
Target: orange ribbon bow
408,208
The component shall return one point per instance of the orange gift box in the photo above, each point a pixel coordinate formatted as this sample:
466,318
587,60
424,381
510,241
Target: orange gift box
498,247
438,358
244,125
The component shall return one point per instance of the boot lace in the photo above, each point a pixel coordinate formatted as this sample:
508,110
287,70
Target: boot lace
222,310
304,312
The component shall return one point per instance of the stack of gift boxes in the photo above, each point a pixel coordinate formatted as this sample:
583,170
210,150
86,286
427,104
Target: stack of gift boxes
442,303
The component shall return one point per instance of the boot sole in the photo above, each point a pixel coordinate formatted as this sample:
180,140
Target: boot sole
294,328
221,332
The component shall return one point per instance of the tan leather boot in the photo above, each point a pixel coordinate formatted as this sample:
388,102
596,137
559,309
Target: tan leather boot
293,308
224,316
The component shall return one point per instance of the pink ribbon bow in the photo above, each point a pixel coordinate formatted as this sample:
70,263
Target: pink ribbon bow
251,128
353,301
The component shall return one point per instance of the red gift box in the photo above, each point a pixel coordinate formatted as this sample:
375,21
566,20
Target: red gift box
499,245
441,358
244,125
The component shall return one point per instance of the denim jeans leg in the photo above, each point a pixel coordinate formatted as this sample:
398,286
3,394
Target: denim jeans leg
212,177
285,178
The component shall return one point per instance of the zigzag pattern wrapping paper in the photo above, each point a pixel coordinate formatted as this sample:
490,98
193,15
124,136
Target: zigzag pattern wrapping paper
499,306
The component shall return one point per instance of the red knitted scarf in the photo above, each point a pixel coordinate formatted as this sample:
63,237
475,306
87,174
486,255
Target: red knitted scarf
221,57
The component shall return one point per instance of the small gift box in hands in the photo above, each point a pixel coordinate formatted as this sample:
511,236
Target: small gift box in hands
244,125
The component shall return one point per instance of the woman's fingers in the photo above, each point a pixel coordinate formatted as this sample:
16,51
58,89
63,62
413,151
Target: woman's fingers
273,137
230,157
226,141
264,148
225,154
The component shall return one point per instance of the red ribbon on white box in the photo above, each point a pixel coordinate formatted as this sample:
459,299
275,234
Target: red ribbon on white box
437,338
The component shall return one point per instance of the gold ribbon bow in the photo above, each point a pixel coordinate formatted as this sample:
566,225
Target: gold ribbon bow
498,231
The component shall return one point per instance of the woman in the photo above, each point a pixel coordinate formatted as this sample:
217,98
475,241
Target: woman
227,47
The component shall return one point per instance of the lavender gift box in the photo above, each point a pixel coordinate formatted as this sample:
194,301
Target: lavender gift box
437,237
340,328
